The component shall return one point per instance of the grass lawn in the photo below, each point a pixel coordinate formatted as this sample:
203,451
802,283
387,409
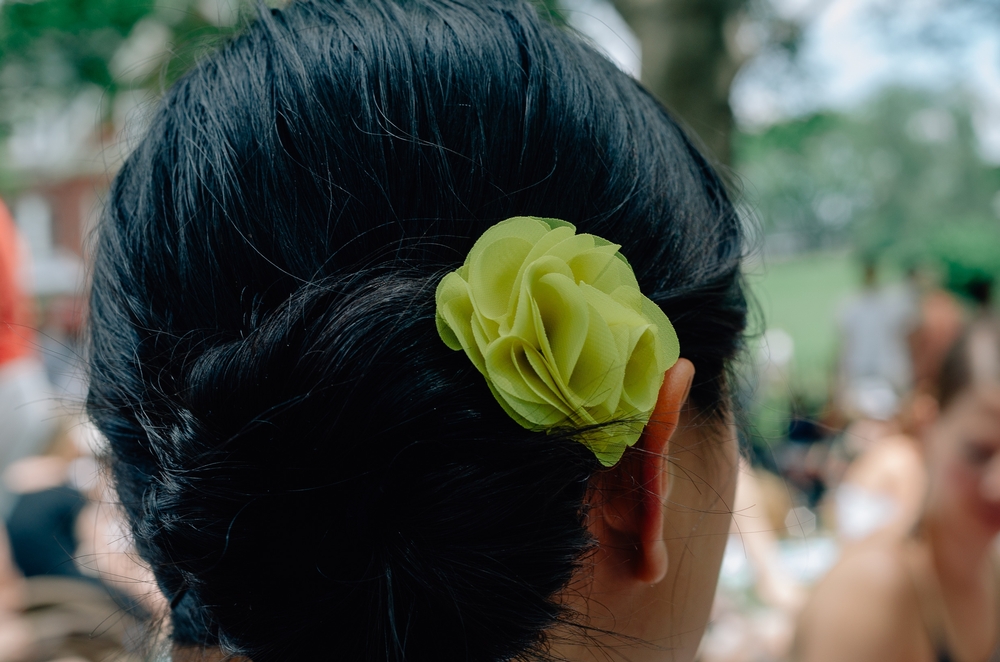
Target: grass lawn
801,296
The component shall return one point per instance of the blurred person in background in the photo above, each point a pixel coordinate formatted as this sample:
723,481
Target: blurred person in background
884,486
79,596
803,457
27,418
874,369
931,593
49,608
942,319
61,338
878,479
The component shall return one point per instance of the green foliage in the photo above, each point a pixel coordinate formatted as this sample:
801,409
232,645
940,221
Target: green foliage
896,180
51,49
901,181
54,48
88,29
801,296
967,252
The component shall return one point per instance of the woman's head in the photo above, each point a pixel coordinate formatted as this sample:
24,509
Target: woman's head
305,464
963,450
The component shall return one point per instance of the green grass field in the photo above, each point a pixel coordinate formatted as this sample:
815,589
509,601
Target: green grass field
801,296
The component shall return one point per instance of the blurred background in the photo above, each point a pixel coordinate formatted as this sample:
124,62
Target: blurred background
862,142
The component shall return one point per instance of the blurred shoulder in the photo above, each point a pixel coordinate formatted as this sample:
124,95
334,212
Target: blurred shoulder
874,570
866,608
892,457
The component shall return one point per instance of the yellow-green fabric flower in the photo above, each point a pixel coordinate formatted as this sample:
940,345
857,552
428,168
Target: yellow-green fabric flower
556,323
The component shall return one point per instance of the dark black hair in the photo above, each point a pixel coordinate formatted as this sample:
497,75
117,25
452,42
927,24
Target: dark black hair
965,364
980,289
309,470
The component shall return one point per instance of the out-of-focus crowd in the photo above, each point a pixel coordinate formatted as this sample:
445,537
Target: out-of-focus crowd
70,586
853,518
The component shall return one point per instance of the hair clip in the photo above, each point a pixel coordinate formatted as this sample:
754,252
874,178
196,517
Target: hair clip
556,323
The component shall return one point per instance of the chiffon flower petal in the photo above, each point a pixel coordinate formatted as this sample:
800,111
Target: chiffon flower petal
556,323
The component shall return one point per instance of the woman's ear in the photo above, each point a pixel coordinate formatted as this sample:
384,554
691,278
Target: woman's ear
627,517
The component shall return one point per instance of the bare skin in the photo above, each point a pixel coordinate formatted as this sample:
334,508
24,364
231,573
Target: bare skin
661,518
910,596
893,467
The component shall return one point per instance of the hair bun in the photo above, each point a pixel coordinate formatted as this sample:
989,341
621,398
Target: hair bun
299,491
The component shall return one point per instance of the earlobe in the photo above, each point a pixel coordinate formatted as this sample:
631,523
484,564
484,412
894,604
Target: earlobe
633,494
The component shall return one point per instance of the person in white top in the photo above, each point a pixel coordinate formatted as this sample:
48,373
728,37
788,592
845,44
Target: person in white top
875,369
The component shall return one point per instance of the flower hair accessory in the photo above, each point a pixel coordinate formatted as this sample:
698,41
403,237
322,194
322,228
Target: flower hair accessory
556,323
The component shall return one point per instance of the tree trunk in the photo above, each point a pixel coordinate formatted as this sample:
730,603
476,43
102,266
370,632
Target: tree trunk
687,62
